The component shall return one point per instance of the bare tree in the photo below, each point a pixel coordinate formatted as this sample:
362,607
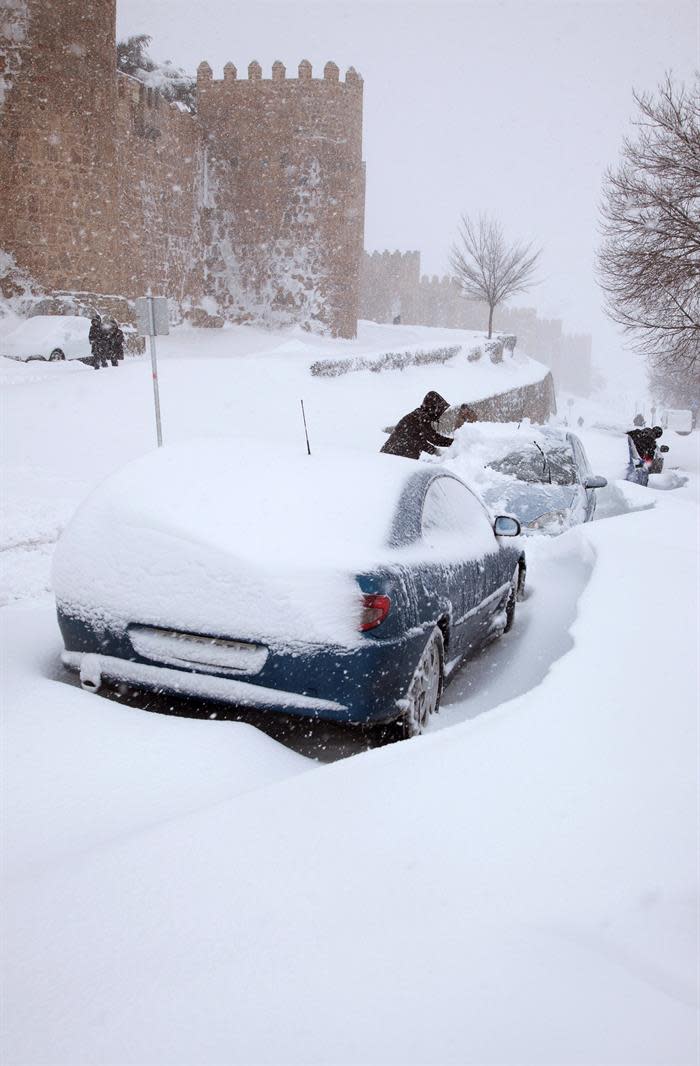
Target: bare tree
487,267
649,259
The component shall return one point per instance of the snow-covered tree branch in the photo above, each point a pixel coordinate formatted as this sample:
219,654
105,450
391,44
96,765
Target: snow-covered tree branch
174,84
649,259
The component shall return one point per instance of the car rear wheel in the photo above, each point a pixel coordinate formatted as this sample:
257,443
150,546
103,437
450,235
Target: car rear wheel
56,355
425,688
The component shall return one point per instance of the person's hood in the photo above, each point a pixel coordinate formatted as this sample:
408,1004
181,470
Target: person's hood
434,405
529,502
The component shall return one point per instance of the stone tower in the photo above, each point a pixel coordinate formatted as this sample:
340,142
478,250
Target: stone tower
286,186
57,164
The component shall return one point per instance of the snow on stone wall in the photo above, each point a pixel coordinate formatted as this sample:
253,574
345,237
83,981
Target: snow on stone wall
14,19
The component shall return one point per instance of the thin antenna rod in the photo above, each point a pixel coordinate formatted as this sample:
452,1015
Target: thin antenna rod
306,432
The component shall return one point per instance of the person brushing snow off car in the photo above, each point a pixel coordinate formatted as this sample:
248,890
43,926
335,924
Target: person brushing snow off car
416,433
643,459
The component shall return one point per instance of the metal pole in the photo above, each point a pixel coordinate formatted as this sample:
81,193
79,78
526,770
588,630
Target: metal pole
306,432
154,368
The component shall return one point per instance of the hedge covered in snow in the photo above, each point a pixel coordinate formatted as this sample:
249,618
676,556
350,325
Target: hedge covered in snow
494,348
334,368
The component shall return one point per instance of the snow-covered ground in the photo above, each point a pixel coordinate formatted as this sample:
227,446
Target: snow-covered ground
518,886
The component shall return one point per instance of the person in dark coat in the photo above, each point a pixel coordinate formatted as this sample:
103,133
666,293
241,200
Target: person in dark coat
643,459
644,441
98,342
114,341
415,433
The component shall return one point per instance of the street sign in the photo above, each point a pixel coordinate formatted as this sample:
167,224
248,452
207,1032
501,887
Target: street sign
152,318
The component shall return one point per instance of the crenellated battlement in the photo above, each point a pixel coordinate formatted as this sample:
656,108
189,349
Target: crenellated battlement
393,257
331,76
446,281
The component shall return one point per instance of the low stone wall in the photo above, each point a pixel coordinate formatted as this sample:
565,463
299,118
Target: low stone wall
536,402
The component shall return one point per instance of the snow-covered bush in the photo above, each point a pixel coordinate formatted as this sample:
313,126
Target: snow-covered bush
494,350
333,368
475,353
509,342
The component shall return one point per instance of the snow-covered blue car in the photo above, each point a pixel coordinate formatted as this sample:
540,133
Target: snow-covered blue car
343,585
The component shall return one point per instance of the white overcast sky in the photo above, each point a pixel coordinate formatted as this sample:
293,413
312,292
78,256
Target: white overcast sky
513,108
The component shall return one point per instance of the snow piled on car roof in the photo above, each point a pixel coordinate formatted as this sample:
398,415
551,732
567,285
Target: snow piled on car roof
228,535
40,333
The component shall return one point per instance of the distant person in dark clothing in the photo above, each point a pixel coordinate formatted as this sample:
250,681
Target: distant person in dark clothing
114,340
98,342
415,433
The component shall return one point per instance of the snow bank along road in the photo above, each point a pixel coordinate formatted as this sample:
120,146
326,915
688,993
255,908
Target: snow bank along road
517,888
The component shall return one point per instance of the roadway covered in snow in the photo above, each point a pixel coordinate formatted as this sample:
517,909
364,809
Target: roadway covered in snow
518,886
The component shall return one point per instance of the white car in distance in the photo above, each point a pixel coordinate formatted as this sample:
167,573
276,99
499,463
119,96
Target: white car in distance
679,421
54,338
49,337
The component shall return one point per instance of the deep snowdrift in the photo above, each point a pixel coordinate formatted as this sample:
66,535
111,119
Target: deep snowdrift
520,889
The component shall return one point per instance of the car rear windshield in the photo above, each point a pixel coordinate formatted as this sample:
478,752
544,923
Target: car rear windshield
553,466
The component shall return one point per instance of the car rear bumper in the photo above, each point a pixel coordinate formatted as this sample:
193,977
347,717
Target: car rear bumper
93,669
361,684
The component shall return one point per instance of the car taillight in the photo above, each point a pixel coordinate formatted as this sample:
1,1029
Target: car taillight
374,611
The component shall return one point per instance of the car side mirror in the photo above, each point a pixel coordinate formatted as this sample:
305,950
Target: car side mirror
663,447
595,482
505,526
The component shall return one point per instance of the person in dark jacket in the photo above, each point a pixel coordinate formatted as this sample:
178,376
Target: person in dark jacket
643,459
98,342
114,340
415,433
645,440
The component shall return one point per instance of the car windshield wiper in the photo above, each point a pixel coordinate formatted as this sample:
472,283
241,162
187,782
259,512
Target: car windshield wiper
545,462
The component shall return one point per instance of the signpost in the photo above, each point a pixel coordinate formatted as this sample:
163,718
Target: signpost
152,321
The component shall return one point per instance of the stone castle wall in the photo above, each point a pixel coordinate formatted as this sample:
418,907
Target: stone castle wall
251,209
284,174
388,285
391,287
158,181
57,154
